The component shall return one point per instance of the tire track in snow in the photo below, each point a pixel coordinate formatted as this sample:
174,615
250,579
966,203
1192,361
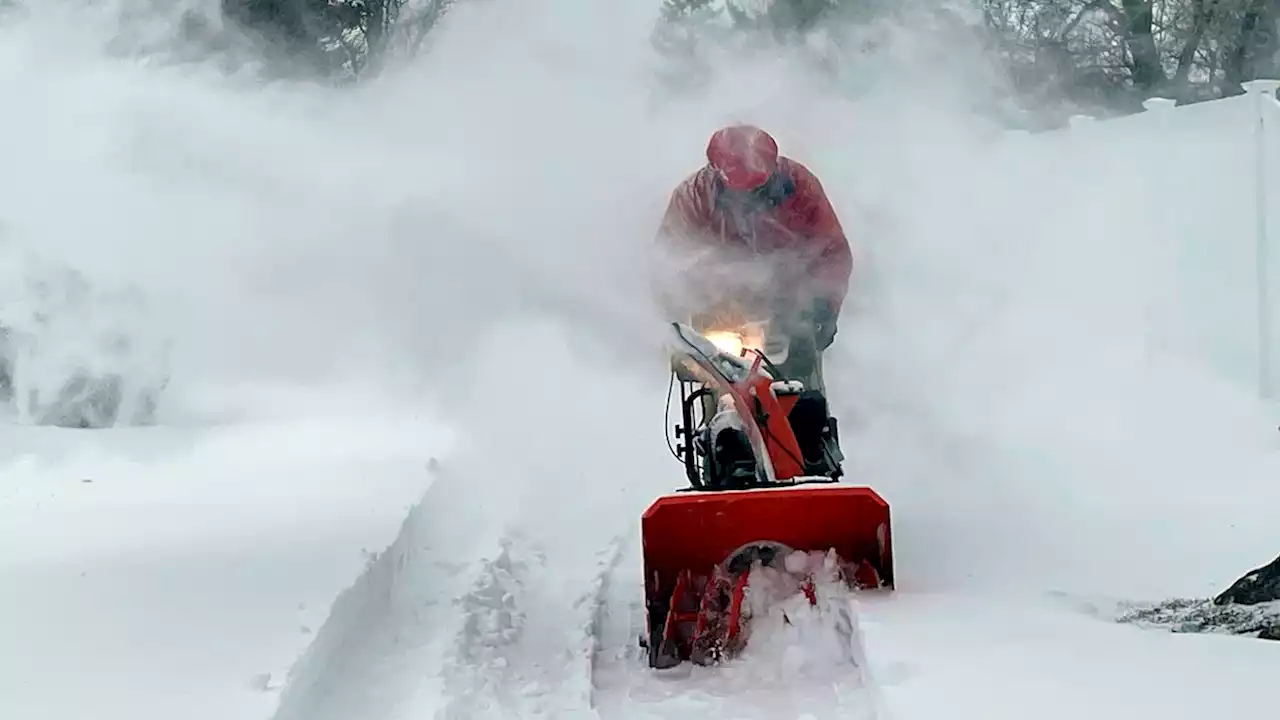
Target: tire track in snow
462,616
380,654
529,640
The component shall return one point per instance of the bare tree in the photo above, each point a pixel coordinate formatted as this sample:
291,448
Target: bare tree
352,37
1133,49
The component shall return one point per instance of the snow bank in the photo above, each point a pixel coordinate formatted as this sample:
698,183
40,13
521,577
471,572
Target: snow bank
180,572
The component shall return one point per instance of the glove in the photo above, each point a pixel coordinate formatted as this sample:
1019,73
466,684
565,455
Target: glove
824,324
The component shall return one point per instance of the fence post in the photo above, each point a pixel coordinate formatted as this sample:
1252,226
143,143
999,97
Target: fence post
1153,313
1261,91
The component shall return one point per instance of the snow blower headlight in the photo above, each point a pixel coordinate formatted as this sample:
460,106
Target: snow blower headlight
729,343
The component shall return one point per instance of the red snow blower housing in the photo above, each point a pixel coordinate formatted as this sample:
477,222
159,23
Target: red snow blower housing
761,455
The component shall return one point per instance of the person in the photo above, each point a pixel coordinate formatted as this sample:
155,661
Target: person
760,232
763,221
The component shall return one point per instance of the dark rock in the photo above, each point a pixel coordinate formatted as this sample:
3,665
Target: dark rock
1260,585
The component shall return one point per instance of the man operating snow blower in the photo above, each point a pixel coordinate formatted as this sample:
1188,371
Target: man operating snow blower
761,269
752,228
766,533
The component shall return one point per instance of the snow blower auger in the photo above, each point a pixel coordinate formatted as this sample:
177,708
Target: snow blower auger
762,459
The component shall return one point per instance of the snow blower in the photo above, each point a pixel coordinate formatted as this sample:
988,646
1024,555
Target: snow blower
762,459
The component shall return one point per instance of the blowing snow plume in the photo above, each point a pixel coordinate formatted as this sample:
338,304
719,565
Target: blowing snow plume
292,232
73,355
273,242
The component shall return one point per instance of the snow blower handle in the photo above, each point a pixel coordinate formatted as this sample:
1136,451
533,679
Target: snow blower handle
823,323
811,318
814,319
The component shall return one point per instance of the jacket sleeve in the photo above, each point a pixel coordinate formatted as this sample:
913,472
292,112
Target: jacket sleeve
685,217
830,259
677,234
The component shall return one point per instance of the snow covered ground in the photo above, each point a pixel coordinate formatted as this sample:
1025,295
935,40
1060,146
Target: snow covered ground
408,436
166,572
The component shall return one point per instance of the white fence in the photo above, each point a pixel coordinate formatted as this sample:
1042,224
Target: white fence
1200,185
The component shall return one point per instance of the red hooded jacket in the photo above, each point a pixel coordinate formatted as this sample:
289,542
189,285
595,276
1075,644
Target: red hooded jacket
794,229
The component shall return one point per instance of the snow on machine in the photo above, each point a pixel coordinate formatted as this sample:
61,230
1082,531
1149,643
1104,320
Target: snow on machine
762,458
